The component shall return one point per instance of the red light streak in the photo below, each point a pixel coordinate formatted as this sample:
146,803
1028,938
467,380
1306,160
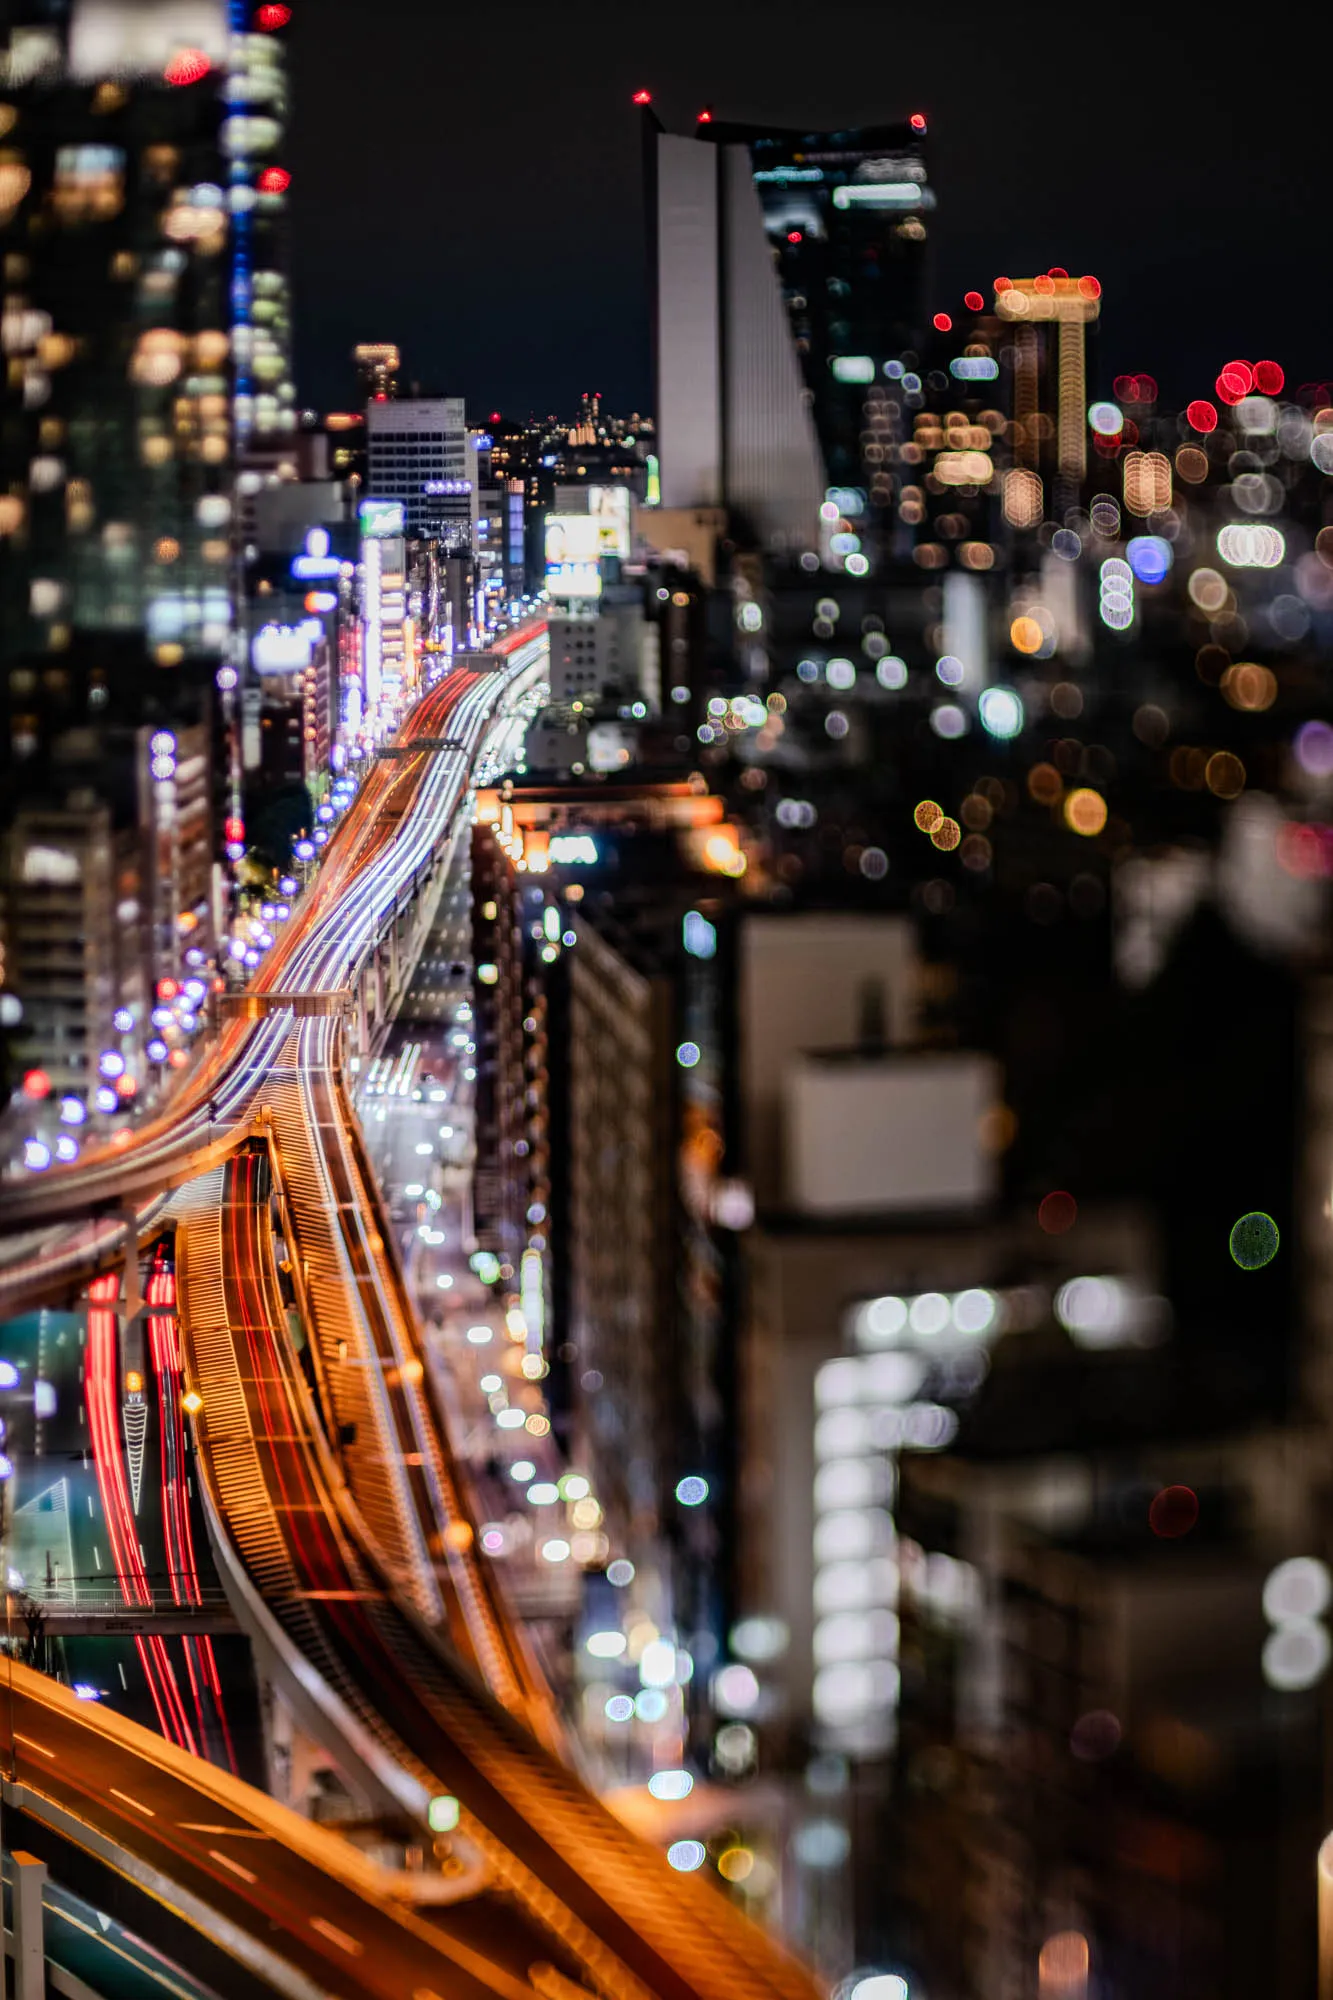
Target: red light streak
101,1376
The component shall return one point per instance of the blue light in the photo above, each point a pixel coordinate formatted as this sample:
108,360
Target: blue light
687,1855
1106,419
698,935
84,1691
1150,557
687,1055
9,1375
692,1491
974,368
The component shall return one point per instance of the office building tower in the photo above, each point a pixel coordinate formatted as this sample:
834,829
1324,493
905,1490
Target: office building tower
788,268
377,365
419,455
146,327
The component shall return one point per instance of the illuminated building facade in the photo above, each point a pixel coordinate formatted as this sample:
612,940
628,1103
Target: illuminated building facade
419,454
377,365
787,268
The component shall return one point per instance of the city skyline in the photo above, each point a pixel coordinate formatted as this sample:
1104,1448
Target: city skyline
1143,161
666,1267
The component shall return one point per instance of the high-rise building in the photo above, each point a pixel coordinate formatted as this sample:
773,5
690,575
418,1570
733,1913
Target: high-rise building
377,365
787,267
419,455
145,323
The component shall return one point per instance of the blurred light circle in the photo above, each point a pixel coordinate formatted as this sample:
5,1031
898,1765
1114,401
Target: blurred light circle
1321,451
1001,712
1299,1588
692,1491
948,721
974,1311
1254,1241
1062,1965
1106,419
822,1843
620,1573
1202,416
1026,635
759,1638
1313,746
619,1708
891,672
874,863
1296,1655
1095,1735
1150,557
950,670
1085,812
880,1986
929,1314
1057,1212
1173,1512
1065,542
687,1855
671,1785
927,815
734,1747
735,1690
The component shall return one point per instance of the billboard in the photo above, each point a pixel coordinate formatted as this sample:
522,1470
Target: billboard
573,545
573,579
608,506
572,538
381,518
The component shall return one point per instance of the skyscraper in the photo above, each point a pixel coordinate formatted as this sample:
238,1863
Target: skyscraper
788,266
145,326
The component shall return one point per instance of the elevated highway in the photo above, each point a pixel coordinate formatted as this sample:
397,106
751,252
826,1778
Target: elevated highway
339,1527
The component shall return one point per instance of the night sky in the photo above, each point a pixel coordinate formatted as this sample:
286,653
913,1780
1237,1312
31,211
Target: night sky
467,177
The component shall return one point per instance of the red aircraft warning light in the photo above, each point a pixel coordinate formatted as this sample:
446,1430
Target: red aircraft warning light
917,121
643,97
274,180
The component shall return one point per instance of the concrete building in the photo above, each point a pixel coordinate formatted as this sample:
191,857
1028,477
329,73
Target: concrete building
420,455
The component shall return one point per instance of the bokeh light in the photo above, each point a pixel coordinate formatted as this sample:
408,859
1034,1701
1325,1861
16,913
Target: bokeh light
1057,1212
1254,1240
1173,1512
1085,811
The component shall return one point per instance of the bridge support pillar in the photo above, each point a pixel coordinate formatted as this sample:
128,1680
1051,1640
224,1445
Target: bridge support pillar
29,1928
